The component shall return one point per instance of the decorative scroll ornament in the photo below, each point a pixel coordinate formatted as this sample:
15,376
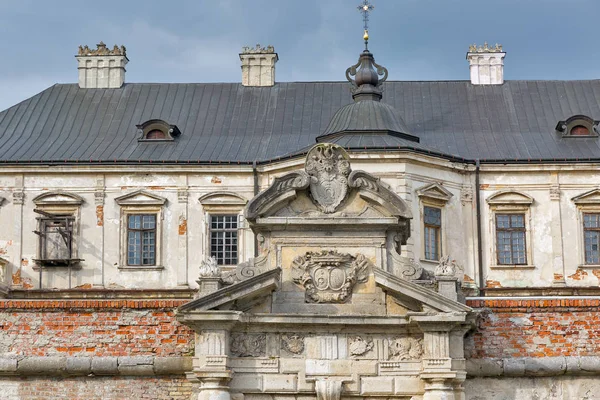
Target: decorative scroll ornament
328,166
248,345
245,270
293,343
359,346
446,267
209,268
328,276
102,50
405,348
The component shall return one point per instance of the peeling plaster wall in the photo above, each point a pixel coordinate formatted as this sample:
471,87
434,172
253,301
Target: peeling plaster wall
556,249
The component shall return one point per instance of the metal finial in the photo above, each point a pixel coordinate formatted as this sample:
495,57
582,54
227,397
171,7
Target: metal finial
365,8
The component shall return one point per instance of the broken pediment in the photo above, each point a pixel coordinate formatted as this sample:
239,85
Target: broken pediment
591,197
330,184
58,197
435,192
141,198
509,197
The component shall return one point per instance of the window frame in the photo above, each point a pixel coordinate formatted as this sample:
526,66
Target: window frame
586,203
438,233
510,202
141,230
433,195
53,206
592,229
140,203
236,230
511,229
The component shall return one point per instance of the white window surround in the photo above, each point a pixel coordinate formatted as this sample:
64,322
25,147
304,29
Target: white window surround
140,202
58,202
588,202
436,196
224,203
510,202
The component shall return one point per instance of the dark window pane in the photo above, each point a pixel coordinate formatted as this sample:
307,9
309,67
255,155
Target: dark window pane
223,238
141,239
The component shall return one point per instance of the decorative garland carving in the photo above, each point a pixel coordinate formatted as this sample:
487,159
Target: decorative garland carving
248,345
329,276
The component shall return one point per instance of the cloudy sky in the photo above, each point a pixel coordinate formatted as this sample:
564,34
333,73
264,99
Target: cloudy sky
199,40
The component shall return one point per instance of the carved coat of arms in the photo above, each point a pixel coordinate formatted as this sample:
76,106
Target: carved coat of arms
329,276
328,167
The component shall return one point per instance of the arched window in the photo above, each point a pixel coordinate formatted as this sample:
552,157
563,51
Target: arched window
156,130
578,126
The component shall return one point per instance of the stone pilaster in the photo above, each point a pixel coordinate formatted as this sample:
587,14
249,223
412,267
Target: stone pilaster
211,367
182,238
558,264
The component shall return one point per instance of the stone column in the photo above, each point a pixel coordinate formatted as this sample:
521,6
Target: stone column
439,373
211,364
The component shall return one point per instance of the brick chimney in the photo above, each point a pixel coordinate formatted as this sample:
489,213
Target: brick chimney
258,65
486,64
102,68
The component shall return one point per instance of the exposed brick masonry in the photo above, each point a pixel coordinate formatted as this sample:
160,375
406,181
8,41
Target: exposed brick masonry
535,328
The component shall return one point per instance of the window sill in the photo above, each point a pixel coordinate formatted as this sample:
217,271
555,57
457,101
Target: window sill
589,266
512,266
141,268
430,262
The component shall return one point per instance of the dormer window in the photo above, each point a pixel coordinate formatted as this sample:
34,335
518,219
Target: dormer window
578,126
157,130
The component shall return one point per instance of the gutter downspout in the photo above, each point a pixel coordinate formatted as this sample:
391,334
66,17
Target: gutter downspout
478,217
256,189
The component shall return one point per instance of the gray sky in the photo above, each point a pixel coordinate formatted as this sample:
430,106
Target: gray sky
199,40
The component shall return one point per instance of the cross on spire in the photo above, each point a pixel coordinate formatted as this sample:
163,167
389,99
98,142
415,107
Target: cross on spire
365,8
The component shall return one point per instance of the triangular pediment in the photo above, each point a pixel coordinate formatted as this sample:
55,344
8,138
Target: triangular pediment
414,296
139,198
239,296
591,197
435,191
510,197
57,198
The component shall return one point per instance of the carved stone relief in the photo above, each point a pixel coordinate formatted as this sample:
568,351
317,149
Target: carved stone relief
209,268
245,270
405,348
359,346
329,276
248,345
328,166
293,343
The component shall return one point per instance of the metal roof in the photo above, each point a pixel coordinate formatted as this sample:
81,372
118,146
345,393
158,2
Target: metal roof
226,122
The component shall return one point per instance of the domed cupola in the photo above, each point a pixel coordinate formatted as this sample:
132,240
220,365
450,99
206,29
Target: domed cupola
367,115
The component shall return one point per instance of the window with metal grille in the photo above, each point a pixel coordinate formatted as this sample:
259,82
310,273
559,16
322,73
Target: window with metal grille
224,239
141,239
591,234
432,220
510,238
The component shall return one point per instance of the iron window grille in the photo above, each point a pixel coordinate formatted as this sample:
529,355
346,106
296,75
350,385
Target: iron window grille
591,234
510,239
141,239
224,239
432,220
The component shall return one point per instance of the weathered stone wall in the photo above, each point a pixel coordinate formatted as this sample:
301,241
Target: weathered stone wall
96,388
554,388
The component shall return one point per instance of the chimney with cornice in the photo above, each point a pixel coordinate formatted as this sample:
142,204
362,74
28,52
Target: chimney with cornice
102,68
486,64
258,65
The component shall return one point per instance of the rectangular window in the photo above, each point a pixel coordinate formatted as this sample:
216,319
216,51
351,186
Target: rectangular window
224,239
591,234
56,238
510,238
432,219
141,239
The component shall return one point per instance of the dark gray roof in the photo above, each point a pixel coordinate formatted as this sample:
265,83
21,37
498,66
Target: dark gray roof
230,123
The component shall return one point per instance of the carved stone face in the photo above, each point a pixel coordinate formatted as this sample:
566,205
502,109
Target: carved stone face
328,168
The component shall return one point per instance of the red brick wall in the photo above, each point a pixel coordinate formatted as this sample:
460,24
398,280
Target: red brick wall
93,328
96,388
535,328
